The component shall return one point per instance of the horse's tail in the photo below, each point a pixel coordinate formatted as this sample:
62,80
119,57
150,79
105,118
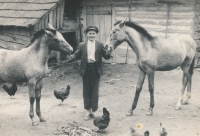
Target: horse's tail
192,66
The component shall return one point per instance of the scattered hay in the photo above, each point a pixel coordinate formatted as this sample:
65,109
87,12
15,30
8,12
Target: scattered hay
75,129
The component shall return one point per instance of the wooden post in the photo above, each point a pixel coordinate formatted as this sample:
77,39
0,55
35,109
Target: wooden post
112,25
168,10
58,57
83,22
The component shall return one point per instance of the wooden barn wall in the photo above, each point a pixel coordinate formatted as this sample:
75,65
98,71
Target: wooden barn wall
159,19
54,17
14,38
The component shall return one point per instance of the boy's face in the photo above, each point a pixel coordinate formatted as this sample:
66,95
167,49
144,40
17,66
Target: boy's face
91,35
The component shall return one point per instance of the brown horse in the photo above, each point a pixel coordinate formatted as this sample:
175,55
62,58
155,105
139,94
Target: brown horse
30,64
155,54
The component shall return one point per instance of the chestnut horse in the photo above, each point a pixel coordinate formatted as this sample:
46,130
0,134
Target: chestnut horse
155,54
30,64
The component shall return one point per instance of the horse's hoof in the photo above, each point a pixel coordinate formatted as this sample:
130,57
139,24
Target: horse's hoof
35,123
42,120
178,108
185,102
149,113
129,113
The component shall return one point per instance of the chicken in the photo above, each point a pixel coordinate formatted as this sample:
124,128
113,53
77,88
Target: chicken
62,95
146,133
133,132
10,90
162,131
102,122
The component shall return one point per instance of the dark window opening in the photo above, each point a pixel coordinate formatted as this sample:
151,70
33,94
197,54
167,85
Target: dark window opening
71,8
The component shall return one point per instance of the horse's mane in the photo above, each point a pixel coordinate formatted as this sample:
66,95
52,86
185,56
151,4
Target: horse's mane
38,34
138,28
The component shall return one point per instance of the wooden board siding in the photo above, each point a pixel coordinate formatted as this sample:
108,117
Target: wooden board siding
14,37
150,16
162,18
54,17
181,19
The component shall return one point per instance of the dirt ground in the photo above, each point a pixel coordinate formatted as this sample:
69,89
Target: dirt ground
116,94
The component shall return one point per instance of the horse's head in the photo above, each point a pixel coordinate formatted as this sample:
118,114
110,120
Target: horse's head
117,36
57,41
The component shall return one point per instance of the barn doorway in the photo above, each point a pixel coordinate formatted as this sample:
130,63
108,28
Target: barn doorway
70,37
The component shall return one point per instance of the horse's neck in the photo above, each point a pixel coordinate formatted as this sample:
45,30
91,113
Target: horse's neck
135,42
40,48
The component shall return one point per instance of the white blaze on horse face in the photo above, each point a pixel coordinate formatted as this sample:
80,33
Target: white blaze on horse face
63,44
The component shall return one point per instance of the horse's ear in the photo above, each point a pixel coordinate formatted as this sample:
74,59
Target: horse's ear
50,27
123,22
48,32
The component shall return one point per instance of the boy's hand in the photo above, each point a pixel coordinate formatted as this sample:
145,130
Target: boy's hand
69,58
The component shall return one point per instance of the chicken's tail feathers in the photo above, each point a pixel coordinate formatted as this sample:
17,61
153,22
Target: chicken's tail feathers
5,87
68,87
105,111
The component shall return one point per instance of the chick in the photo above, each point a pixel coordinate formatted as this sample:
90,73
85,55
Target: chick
162,131
62,95
10,90
102,122
146,133
134,133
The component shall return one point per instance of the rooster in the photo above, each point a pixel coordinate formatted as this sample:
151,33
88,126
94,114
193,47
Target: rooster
10,90
62,95
162,131
102,122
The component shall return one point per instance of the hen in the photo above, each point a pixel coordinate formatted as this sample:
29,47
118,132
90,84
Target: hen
10,90
102,122
62,95
133,133
162,131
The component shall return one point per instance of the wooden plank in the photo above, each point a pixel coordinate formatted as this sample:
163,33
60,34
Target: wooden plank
21,37
51,18
10,45
36,27
101,28
54,18
99,13
13,39
46,22
58,17
113,16
62,13
83,22
113,53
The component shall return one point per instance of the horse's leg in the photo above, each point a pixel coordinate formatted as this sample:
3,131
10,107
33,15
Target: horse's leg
140,82
38,97
189,84
184,84
31,86
151,90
